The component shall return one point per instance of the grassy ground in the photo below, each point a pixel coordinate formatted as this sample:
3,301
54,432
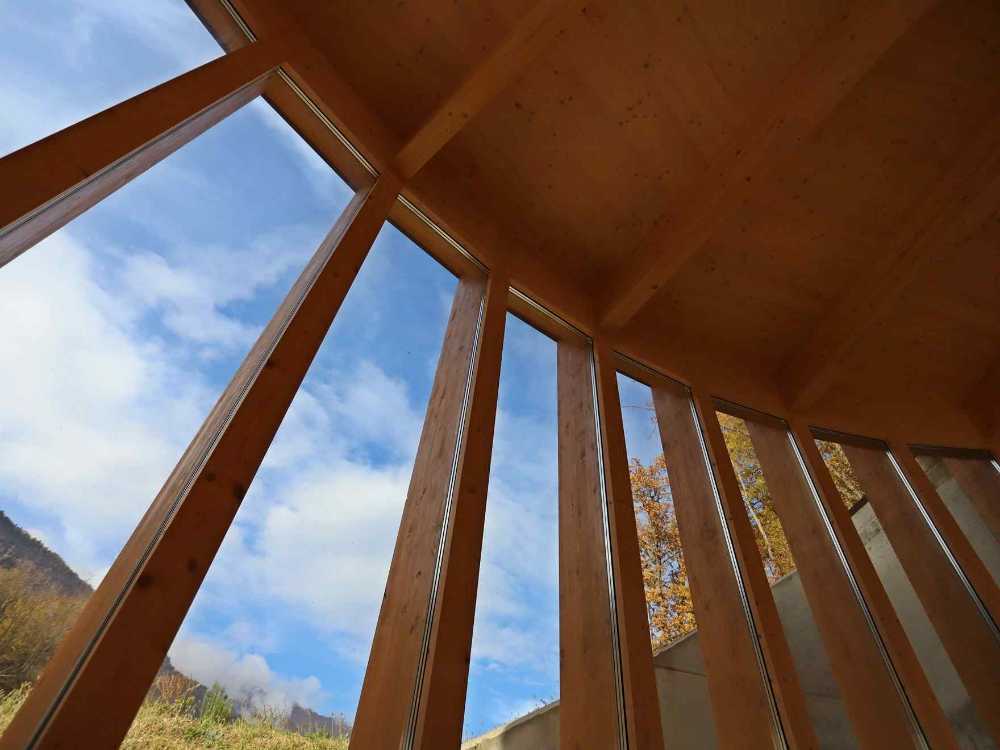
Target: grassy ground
165,726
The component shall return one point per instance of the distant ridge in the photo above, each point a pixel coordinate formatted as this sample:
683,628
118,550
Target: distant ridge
18,546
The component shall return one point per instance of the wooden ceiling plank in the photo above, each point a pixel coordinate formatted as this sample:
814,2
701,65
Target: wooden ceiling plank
311,70
819,82
529,37
965,197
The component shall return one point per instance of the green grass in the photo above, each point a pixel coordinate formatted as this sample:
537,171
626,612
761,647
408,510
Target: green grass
161,725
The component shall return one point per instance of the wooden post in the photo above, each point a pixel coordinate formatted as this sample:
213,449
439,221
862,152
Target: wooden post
395,665
110,656
46,184
642,708
878,715
742,705
981,483
967,636
443,689
911,675
588,706
951,533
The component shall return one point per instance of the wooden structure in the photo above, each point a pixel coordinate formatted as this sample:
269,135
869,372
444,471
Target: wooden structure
792,206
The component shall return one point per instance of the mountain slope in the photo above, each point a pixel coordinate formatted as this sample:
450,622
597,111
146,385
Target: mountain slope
17,546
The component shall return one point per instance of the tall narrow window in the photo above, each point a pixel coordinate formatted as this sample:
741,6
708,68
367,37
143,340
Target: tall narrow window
514,675
679,666
970,488
119,332
793,598
925,592
281,629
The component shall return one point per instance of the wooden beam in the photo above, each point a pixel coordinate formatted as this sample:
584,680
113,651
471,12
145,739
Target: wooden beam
933,721
311,71
820,81
117,644
532,34
588,705
741,704
878,715
951,533
398,646
980,482
46,184
443,690
961,201
642,707
966,635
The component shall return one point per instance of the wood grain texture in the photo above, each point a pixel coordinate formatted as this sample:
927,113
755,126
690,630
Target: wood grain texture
442,697
635,107
933,721
48,183
642,708
130,621
821,80
878,716
588,703
965,634
390,680
532,33
945,211
740,702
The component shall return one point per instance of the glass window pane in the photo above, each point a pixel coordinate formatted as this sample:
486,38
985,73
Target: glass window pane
515,647
941,673
282,626
824,700
64,60
119,332
679,667
970,488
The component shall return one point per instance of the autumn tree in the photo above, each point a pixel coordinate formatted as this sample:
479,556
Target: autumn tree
668,597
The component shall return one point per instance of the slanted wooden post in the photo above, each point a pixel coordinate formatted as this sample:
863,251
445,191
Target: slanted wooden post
642,708
877,711
46,184
111,655
740,699
980,481
951,533
414,687
588,658
966,634
911,675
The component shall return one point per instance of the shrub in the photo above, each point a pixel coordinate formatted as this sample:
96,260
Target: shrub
216,708
34,617
176,691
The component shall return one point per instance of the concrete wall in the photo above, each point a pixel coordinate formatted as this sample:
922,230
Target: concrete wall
680,672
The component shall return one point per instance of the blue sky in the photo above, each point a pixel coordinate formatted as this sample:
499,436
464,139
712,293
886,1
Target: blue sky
121,329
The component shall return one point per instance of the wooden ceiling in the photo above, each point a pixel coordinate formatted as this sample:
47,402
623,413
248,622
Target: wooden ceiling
796,203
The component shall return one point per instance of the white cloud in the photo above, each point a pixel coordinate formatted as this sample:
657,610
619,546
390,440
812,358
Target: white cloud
43,95
246,677
192,287
99,413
